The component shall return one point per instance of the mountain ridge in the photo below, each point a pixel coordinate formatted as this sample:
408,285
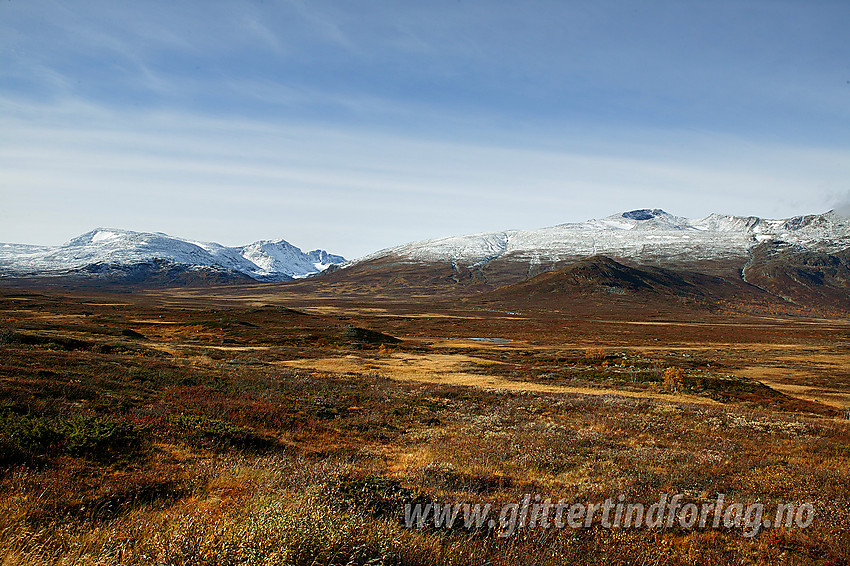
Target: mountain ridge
116,253
795,264
645,235
800,261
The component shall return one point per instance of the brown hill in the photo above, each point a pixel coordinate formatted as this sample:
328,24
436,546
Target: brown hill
601,280
803,277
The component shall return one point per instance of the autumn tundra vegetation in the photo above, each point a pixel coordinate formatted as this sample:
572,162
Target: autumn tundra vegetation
204,428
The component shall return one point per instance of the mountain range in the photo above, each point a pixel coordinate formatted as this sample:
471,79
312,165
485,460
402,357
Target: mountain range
646,236
803,260
123,255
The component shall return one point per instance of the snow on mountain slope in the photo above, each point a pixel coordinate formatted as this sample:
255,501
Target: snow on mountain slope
268,260
648,235
279,256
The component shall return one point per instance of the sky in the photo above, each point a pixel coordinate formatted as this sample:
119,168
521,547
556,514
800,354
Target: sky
355,125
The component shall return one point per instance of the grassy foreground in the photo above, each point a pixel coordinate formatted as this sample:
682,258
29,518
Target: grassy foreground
175,434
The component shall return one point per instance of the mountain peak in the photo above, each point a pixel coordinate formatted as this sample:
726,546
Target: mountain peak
644,214
98,235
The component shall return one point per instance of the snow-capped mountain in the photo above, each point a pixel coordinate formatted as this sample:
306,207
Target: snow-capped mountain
648,236
105,251
723,245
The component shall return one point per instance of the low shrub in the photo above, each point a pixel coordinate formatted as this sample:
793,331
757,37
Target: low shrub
28,438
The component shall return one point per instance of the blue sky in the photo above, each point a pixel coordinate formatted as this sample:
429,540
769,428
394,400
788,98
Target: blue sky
356,125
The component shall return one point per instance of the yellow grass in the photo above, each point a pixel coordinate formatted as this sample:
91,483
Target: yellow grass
446,369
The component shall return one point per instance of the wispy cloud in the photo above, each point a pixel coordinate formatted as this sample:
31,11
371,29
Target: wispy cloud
76,167
768,67
266,36
840,203
388,122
